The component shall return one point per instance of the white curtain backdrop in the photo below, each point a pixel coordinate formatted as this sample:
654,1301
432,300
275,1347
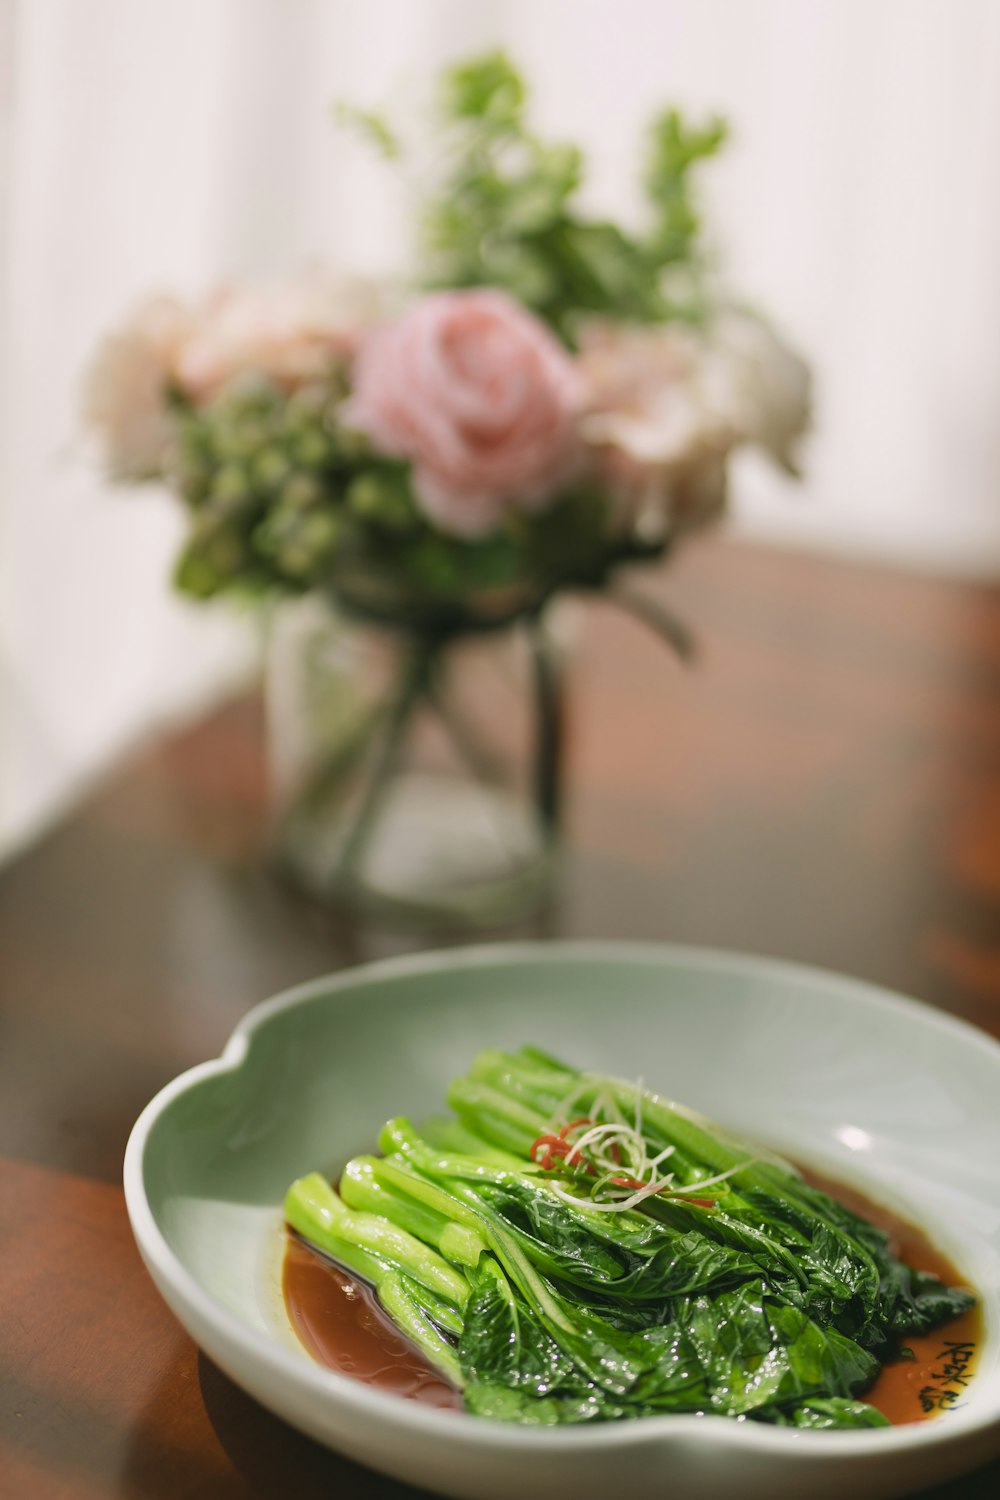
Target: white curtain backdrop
157,144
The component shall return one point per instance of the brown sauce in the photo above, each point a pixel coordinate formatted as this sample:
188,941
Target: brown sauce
936,1378
343,1327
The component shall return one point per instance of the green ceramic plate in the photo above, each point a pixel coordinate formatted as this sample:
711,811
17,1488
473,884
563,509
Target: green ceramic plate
873,1089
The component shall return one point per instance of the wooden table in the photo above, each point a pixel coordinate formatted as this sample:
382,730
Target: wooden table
824,786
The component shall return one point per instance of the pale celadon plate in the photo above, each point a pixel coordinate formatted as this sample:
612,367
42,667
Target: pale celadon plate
872,1089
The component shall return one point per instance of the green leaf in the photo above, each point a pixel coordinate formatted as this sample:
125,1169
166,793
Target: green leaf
484,88
835,1412
371,127
503,1342
675,149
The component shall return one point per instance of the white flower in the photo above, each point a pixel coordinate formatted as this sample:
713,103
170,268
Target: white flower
124,395
289,331
658,430
667,404
762,384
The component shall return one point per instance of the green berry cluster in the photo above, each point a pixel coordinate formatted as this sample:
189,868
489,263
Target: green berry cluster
277,488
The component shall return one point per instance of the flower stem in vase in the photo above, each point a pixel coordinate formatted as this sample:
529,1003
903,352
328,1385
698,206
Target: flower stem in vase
413,682
548,730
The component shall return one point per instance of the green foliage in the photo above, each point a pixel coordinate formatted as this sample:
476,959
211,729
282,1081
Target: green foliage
487,89
767,1305
504,213
371,127
675,149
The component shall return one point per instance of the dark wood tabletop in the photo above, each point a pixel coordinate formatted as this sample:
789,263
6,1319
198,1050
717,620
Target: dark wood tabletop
823,785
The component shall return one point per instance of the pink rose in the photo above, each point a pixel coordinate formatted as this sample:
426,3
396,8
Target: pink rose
480,396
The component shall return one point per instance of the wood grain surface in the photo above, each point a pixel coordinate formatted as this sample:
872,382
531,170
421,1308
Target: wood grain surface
824,785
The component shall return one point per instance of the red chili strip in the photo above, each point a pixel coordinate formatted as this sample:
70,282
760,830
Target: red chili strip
548,1143
547,1147
550,1146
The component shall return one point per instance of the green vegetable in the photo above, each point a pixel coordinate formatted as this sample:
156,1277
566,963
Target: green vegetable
515,1268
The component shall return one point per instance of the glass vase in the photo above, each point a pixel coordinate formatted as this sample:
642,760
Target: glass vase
415,772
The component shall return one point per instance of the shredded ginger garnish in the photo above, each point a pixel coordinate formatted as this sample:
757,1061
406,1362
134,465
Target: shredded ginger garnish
614,1154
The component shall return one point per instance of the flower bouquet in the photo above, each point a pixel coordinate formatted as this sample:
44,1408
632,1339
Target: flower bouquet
555,398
